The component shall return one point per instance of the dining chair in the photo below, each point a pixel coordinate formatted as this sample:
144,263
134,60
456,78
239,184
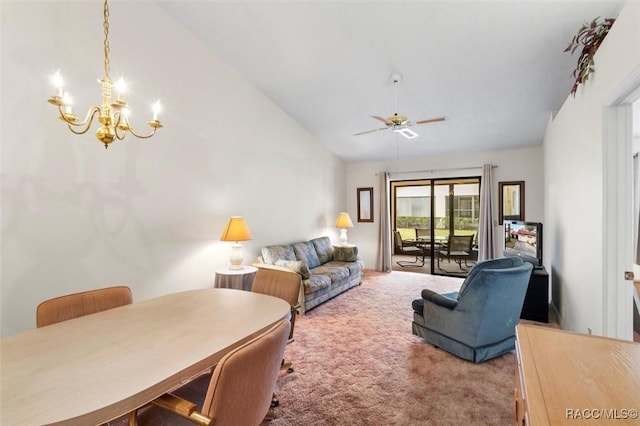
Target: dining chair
284,286
79,304
75,305
240,389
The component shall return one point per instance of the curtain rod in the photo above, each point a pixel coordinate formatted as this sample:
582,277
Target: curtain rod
439,170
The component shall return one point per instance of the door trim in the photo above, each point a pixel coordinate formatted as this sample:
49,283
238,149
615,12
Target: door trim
618,208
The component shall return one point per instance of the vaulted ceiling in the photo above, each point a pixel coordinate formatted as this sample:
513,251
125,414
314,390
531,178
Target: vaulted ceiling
495,69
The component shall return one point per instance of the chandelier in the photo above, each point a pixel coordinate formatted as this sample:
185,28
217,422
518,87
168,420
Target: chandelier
113,114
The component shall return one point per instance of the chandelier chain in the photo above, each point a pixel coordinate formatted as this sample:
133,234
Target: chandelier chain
106,40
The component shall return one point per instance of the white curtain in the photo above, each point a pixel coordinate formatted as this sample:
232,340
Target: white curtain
383,260
486,247
636,208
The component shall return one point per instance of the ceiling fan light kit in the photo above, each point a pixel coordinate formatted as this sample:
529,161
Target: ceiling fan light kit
399,123
407,133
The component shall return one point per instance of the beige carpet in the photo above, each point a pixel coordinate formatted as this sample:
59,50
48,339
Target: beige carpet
357,363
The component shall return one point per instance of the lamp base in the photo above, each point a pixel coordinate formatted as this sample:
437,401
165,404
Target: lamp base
343,237
236,256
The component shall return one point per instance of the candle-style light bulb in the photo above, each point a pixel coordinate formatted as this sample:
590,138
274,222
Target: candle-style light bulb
67,101
156,109
58,83
121,88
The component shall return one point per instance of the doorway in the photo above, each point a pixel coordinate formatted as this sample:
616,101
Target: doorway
435,225
618,252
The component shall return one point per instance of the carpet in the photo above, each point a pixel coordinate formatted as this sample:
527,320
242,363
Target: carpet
357,363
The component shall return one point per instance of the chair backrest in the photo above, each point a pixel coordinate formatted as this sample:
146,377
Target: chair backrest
397,238
423,233
460,243
79,304
499,263
286,286
492,300
242,383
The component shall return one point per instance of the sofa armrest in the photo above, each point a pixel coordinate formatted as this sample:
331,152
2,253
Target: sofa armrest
439,299
274,267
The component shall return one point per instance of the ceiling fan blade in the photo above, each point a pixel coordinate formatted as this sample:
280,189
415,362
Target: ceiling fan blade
384,120
431,120
370,131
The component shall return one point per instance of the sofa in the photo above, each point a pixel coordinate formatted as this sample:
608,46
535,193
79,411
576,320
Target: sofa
324,270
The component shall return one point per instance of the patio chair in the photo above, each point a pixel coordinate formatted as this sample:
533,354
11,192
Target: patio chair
411,248
459,248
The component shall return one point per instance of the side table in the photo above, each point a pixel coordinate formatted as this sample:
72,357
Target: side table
241,279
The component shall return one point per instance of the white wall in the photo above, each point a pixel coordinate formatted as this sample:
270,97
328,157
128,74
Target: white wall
148,214
574,180
512,165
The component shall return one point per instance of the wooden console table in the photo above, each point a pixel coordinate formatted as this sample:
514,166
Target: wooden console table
95,368
569,378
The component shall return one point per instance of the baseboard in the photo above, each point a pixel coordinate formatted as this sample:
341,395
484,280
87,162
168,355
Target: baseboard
636,317
556,312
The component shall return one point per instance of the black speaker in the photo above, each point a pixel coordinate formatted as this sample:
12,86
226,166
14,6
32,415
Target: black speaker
536,301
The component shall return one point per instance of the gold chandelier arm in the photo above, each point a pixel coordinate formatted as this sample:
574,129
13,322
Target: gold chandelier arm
120,125
72,122
118,135
153,132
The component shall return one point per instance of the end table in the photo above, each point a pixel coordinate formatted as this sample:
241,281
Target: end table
241,279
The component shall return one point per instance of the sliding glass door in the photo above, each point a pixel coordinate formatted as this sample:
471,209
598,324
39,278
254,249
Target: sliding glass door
429,213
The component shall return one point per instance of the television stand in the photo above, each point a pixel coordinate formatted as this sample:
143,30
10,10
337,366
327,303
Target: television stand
536,301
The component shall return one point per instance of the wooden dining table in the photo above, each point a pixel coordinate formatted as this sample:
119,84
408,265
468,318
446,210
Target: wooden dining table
93,369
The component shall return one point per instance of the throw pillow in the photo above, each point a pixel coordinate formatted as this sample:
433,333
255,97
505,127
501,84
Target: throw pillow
345,253
272,253
298,266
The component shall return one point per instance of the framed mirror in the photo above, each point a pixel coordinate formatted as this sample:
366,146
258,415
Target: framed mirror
365,204
510,201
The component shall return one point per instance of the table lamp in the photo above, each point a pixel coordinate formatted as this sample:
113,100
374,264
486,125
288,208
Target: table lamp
236,230
343,222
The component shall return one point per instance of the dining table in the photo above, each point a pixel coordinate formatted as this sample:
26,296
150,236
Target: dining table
93,369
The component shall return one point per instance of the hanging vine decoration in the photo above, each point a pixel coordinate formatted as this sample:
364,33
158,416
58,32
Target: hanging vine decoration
589,36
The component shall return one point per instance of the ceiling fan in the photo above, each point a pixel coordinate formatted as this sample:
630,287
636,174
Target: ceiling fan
399,123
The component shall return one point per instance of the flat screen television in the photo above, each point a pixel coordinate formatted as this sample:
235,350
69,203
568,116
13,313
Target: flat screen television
523,239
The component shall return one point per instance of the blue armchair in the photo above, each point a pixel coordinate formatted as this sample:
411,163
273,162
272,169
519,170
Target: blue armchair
478,322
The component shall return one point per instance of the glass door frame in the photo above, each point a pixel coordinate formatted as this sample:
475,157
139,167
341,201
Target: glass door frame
450,208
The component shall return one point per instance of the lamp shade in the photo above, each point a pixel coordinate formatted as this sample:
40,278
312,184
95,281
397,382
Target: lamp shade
344,221
236,230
